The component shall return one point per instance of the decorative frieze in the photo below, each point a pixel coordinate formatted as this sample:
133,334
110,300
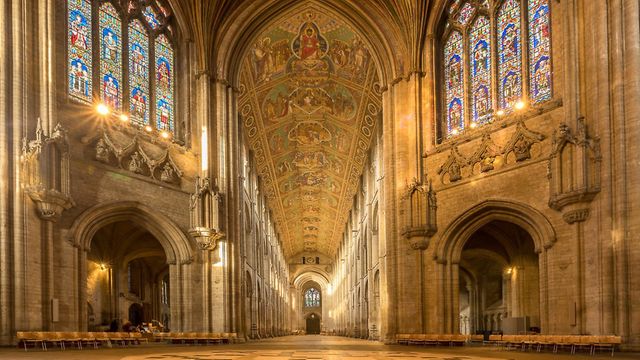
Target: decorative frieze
156,163
521,142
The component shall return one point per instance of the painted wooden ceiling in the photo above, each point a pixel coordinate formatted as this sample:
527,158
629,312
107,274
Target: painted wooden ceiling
309,102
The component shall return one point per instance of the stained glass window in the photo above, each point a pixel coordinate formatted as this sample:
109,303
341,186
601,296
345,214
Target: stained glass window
465,13
79,49
454,77
139,73
539,51
509,54
480,67
164,84
151,17
312,298
473,98
110,57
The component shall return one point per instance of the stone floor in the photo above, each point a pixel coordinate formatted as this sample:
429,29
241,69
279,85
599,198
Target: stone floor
297,348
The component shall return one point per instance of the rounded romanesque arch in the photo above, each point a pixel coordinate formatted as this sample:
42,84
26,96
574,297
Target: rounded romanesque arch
174,241
451,241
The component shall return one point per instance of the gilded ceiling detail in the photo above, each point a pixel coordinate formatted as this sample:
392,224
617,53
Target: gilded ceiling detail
309,103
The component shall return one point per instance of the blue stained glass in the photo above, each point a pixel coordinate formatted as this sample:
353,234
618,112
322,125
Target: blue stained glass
509,54
151,17
454,77
110,57
164,84
480,41
139,73
79,49
539,51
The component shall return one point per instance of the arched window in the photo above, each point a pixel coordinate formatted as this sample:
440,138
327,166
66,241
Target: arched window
496,56
312,298
134,73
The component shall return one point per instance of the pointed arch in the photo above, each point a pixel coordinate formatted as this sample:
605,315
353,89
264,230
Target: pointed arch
177,246
451,241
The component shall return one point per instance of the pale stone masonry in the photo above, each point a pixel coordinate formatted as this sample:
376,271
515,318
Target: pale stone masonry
529,223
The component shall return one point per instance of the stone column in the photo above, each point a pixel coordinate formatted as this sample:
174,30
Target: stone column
6,318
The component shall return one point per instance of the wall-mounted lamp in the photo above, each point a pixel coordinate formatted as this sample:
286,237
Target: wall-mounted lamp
103,109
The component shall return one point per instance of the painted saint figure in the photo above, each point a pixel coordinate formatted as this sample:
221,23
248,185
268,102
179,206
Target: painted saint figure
79,31
309,44
139,102
110,45
163,73
111,91
79,78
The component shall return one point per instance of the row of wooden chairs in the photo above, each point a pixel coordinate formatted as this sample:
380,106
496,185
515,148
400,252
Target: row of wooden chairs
197,337
431,339
77,339
524,342
555,342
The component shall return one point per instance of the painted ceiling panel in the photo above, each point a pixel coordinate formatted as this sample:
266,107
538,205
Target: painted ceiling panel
309,110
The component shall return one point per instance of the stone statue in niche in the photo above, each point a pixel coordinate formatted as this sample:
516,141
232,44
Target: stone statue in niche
168,175
102,151
136,163
454,172
487,163
522,149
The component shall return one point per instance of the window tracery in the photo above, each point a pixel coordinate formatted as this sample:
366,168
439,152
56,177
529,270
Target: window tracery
312,298
135,57
496,57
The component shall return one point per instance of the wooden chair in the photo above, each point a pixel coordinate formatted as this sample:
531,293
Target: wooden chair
30,338
402,339
608,342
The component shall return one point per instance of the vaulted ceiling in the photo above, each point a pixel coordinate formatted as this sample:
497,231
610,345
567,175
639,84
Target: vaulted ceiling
309,101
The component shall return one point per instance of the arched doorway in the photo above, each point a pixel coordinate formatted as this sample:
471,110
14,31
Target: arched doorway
492,254
313,324
162,245
499,288
127,278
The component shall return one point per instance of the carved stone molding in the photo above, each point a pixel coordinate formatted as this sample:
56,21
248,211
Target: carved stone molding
45,165
485,155
134,158
574,166
453,166
574,216
521,142
419,209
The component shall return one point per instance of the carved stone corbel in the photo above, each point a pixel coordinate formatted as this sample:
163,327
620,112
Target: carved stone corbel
574,167
45,164
419,208
521,142
453,166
